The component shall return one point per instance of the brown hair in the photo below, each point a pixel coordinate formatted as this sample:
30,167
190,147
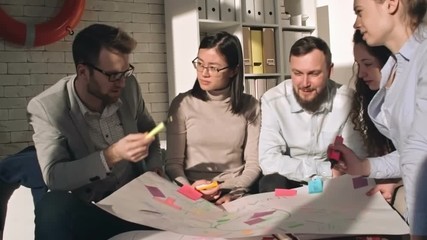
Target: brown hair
376,143
416,10
89,42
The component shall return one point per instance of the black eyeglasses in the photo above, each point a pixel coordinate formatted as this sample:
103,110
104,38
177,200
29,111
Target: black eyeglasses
211,69
115,76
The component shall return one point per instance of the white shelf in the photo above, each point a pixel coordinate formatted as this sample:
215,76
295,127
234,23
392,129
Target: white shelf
299,28
260,25
262,75
184,29
206,25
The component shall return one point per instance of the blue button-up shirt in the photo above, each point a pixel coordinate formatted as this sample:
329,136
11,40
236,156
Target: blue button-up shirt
400,113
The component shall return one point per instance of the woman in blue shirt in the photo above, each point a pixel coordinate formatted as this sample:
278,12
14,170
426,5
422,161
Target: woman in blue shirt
399,108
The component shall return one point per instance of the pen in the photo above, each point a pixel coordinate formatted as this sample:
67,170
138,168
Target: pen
178,183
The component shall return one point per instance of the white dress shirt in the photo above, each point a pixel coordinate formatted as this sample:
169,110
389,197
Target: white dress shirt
294,142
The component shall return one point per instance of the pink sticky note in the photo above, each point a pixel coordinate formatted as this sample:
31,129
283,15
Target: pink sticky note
168,201
190,192
262,214
155,191
254,221
359,182
279,192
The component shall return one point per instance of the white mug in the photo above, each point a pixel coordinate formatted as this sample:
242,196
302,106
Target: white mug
296,20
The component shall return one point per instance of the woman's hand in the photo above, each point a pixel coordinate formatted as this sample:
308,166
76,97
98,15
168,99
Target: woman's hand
225,199
350,163
337,171
386,188
208,194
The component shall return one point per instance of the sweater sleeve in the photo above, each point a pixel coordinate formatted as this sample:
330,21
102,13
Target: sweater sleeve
176,142
251,169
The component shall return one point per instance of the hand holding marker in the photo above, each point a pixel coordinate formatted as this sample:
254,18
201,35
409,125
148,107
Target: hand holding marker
159,128
333,155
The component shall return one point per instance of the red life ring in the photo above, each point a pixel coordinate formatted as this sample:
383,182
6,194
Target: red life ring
44,33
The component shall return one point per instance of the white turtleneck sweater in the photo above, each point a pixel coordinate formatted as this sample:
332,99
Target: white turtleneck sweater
205,140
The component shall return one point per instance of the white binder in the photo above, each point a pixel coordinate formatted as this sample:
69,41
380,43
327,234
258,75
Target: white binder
269,12
212,9
261,87
259,11
289,38
228,10
201,8
249,14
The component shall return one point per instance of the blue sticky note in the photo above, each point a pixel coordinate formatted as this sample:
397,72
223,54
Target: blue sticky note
315,185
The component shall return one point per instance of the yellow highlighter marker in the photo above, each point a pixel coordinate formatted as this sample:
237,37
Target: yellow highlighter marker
159,127
207,186
156,130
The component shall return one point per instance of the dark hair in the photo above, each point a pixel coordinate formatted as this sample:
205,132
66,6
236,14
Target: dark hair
307,44
229,46
89,42
376,143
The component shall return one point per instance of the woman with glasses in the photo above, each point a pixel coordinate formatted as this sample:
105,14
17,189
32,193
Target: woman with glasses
213,135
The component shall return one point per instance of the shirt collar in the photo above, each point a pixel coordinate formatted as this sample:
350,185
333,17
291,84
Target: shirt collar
409,48
406,53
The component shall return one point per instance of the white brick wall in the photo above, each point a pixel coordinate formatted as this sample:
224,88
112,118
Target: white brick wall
25,72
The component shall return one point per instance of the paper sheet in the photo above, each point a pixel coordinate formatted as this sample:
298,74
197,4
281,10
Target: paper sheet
340,209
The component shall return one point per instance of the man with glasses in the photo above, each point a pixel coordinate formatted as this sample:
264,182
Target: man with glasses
90,136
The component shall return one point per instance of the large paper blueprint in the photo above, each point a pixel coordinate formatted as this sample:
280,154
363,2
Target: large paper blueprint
341,209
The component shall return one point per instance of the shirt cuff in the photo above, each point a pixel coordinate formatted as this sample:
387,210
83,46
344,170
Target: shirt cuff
324,169
375,173
104,162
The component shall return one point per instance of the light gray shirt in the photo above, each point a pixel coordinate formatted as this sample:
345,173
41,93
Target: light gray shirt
68,156
104,128
400,114
294,142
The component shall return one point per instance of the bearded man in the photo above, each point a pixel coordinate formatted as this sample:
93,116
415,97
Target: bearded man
301,117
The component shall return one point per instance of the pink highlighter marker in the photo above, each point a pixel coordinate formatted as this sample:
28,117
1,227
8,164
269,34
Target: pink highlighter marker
333,155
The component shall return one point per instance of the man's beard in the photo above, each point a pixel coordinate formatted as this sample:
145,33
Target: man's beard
93,89
314,104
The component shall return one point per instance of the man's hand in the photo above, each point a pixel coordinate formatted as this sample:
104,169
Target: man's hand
133,147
